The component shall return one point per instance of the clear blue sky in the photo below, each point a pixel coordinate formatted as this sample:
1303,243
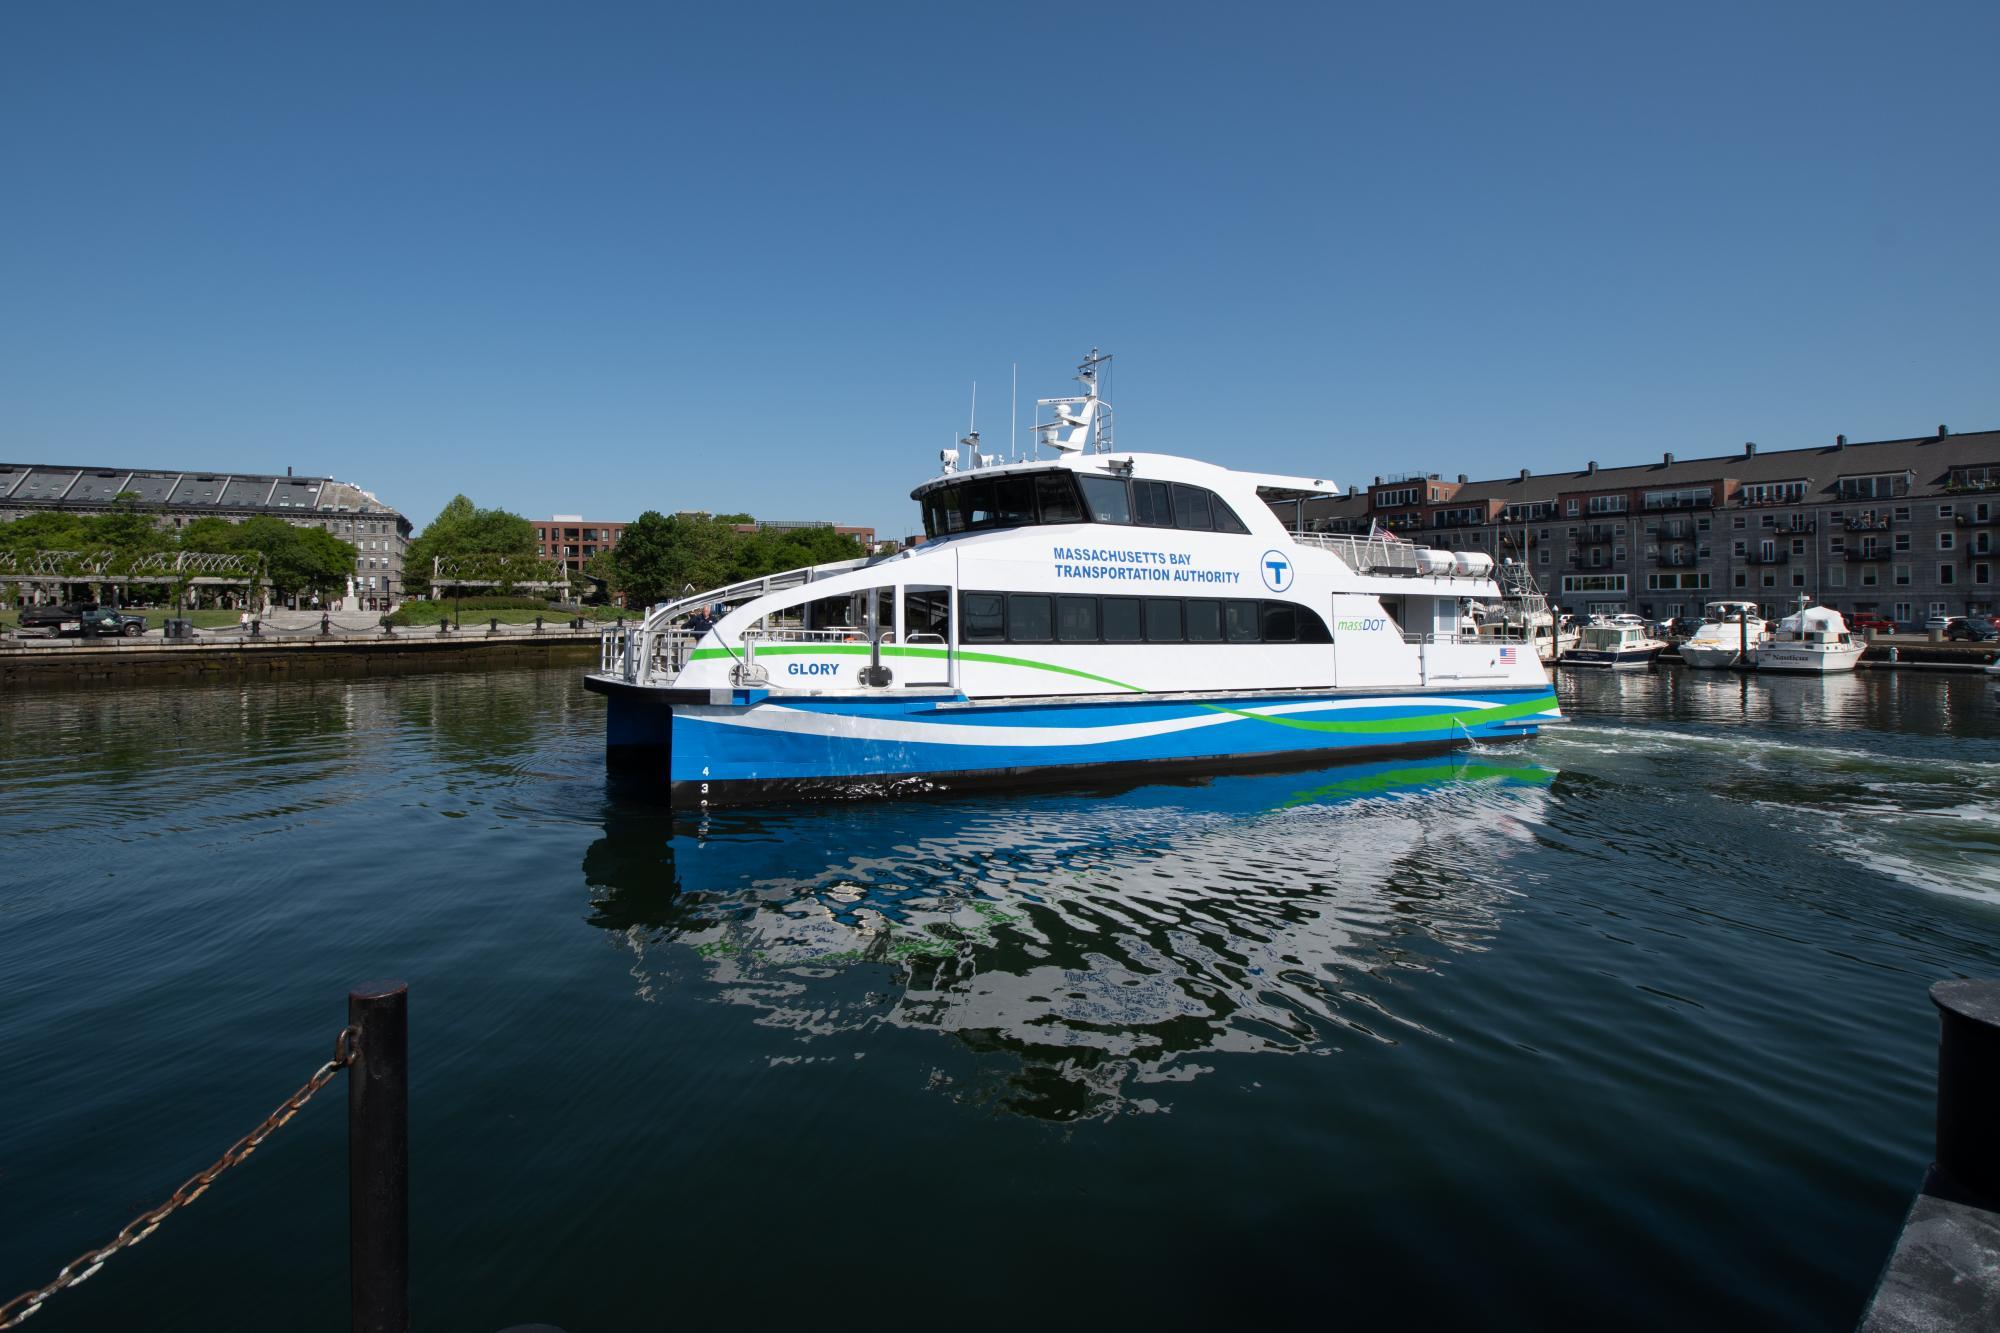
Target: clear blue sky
606,258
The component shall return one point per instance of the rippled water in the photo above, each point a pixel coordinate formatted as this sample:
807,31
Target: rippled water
1623,1026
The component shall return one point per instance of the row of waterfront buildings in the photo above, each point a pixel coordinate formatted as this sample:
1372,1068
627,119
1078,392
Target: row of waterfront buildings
380,534
1901,528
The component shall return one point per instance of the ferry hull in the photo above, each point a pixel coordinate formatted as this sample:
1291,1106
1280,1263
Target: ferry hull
782,747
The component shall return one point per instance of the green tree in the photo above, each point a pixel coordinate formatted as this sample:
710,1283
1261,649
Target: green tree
297,560
460,529
658,556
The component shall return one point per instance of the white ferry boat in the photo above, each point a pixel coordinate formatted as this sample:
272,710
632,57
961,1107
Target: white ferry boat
1079,614
1723,637
1622,642
1812,640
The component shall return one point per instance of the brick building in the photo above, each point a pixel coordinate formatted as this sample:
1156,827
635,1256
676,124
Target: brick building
1902,528
571,539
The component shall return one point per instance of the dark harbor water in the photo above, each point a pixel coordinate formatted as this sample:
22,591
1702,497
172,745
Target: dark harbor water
1626,1027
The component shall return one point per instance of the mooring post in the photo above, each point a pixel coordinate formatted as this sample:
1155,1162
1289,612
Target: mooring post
1968,1084
378,1159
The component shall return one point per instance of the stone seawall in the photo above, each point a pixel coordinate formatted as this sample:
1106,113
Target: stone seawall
113,661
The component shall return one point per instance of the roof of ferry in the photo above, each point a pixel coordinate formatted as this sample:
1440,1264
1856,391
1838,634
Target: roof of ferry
1161,467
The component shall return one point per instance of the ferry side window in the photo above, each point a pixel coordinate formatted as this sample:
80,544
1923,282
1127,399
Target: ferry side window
1191,508
981,617
1225,517
1241,622
1151,505
929,611
1281,622
1076,619
1311,628
1163,620
1109,501
1204,620
1014,501
1057,495
1122,621
1030,617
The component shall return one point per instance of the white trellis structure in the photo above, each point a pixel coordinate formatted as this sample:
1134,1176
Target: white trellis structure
485,573
181,569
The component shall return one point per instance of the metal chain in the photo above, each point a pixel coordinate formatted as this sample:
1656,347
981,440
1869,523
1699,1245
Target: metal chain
79,1270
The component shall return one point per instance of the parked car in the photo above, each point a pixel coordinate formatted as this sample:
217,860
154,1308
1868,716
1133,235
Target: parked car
1866,620
66,617
110,620
1939,622
1973,629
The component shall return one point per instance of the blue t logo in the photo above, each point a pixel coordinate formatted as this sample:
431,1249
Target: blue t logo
1277,571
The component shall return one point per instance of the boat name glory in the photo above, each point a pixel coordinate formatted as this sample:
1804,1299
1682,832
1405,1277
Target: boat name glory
1075,562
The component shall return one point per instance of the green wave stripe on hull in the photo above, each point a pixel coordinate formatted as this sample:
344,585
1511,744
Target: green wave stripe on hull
1540,703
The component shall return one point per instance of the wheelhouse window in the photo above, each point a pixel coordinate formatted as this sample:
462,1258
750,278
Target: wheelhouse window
1056,498
989,503
1191,509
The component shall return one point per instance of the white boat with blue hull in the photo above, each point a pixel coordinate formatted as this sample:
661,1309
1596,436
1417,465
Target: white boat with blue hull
1075,615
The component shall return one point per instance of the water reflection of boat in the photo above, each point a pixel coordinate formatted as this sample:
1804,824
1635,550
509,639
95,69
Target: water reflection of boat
1084,947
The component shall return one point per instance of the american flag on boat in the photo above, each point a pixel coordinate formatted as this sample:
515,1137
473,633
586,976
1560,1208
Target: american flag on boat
1507,655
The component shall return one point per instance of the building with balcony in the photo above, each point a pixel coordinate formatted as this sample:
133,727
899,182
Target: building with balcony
1901,528
378,532
571,539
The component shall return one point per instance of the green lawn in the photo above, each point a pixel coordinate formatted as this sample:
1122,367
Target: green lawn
156,616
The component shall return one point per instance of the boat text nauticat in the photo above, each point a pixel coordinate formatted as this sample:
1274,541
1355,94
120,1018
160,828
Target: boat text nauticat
1076,612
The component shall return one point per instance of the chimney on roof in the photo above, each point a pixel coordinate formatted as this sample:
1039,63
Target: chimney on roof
1524,474
1378,481
288,471
1943,431
1462,479
1667,460
1840,441
1591,469
1354,490
1749,448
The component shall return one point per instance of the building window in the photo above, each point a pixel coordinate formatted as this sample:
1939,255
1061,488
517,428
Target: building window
1902,576
1770,579
1738,548
1944,511
1945,540
1573,583
1902,513
1902,541
1982,573
1740,579
1618,555
1947,574
1570,509
1903,611
1798,578
1798,546
1869,578
1836,576
1542,556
